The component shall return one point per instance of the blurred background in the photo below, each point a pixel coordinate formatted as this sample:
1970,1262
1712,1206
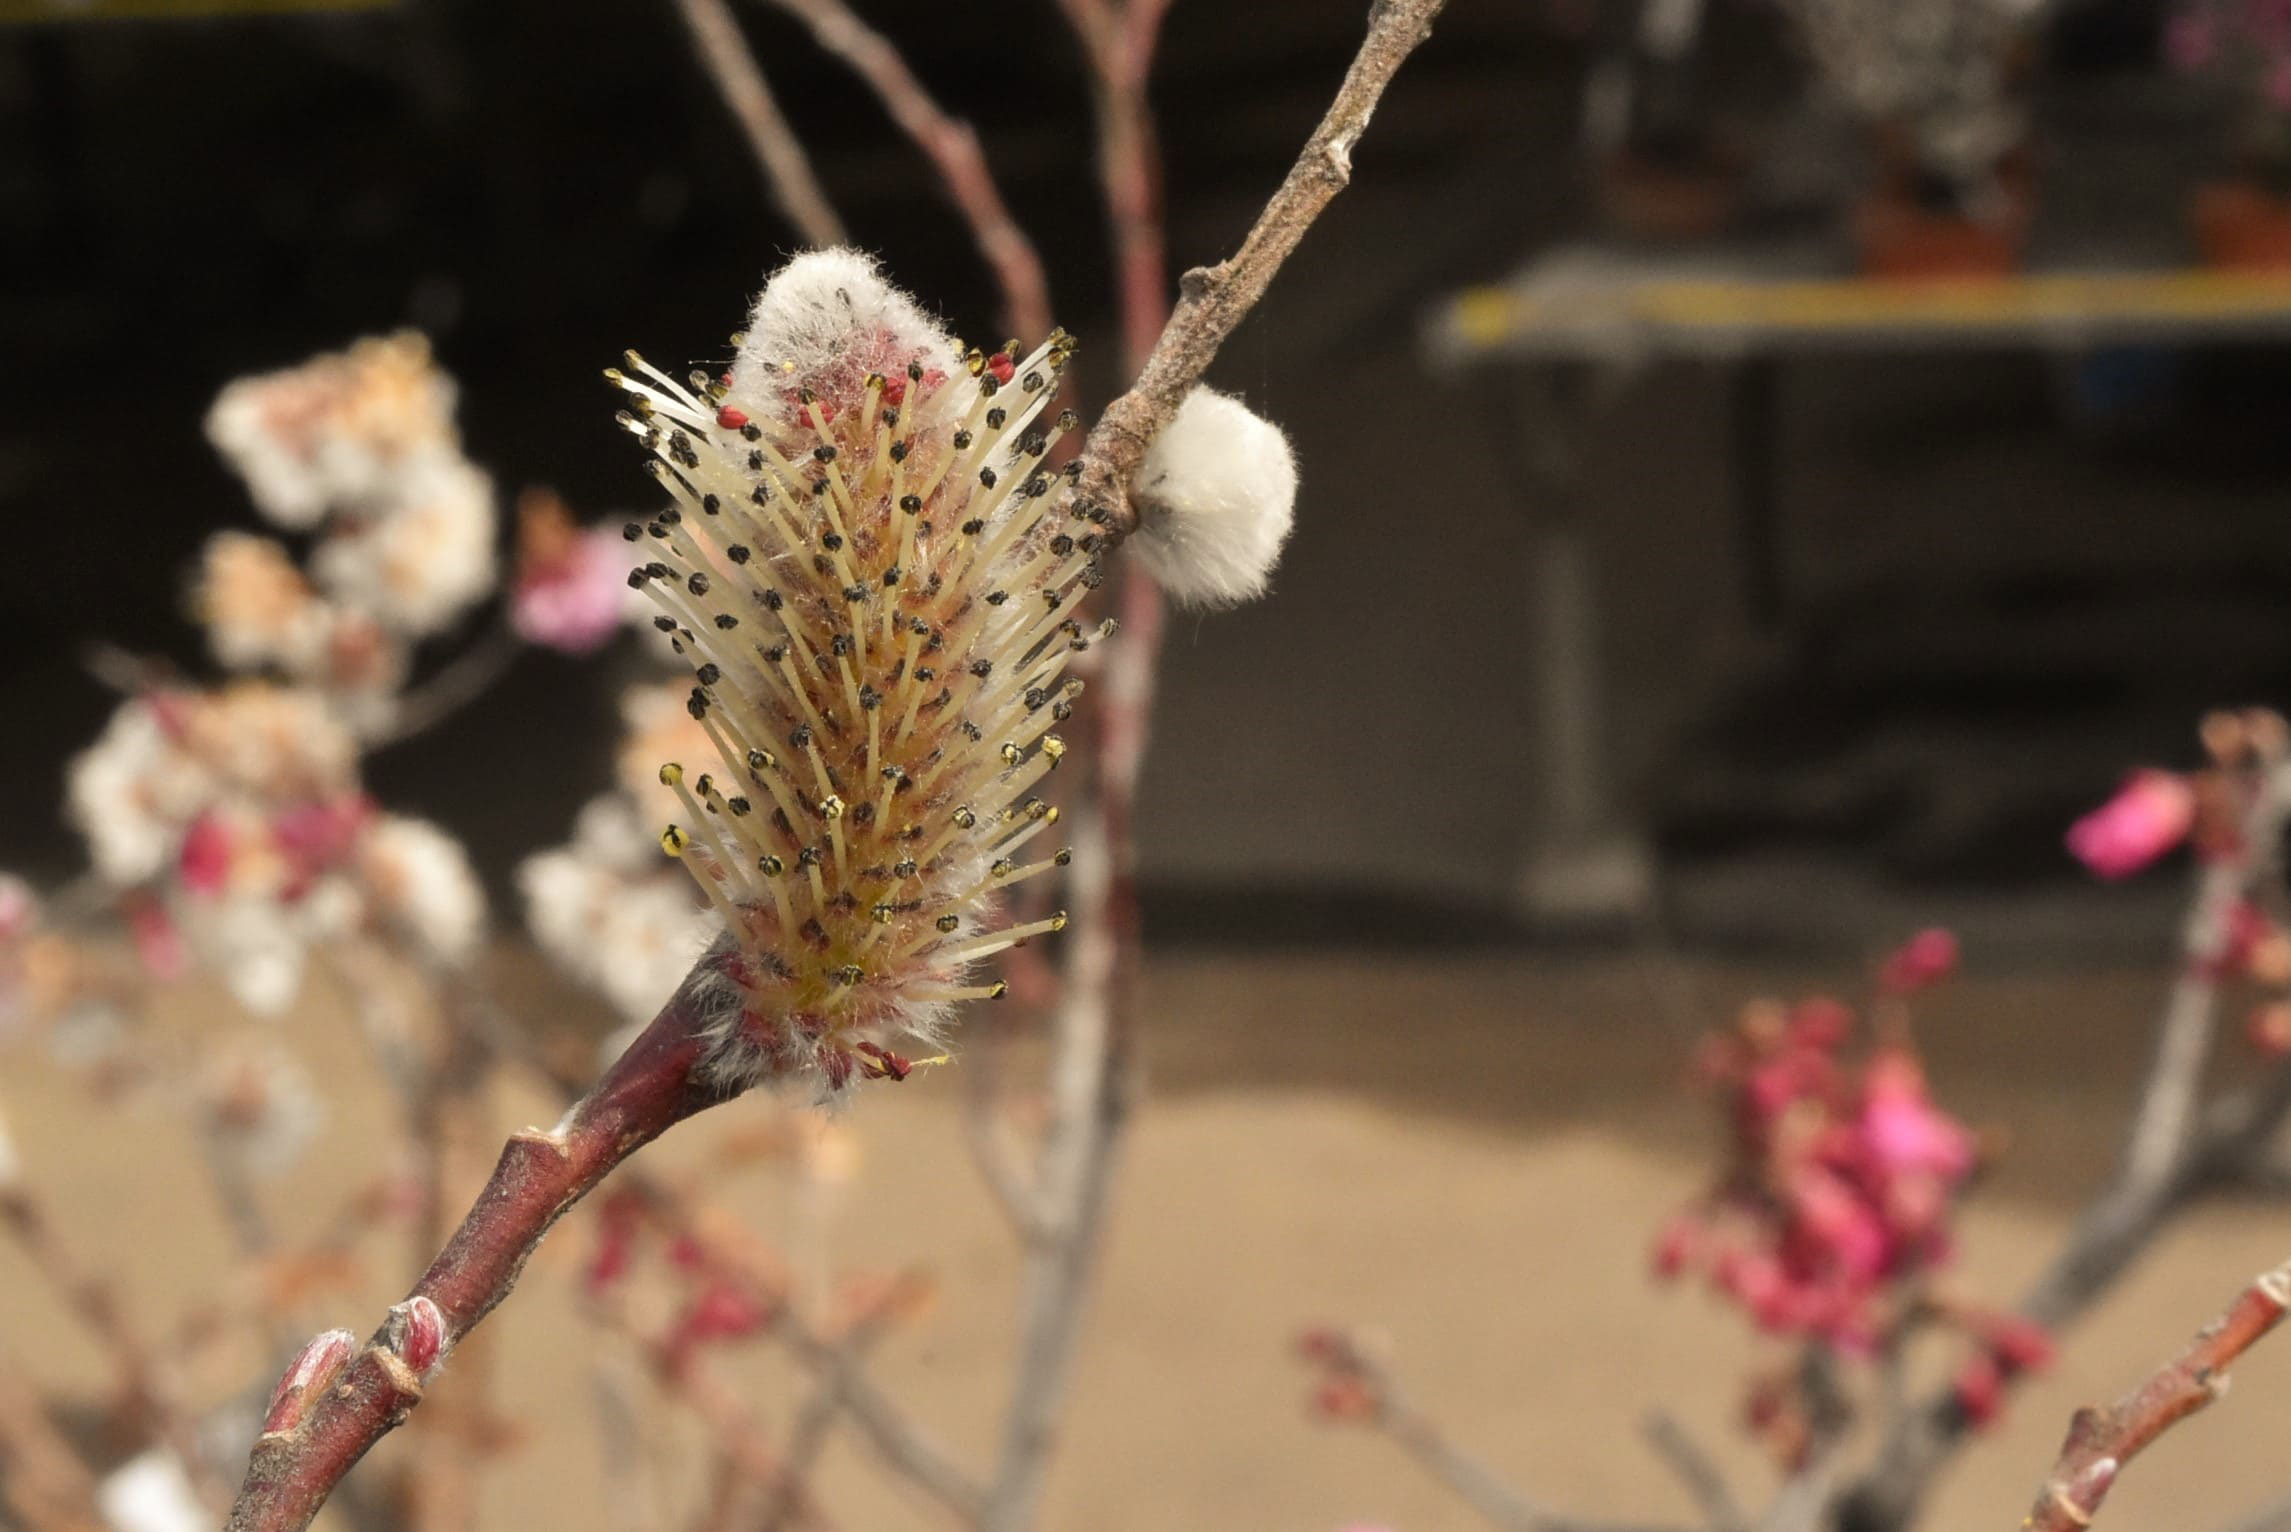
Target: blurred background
1635,654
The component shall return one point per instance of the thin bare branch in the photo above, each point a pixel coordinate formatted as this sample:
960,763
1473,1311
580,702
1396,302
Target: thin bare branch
952,147
2101,1442
43,1482
1695,1472
1213,300
779,153
650,1089
148,1390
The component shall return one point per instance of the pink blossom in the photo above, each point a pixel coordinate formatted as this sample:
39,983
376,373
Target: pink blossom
2150,814
158,944
1904,1131
571,585
204,862
1923,961
19,907
573,602
316,837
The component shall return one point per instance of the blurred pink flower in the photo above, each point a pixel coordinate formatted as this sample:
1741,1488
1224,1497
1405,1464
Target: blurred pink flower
571,585
2150,814
2191,39
1903,1130
1923,961
2277,84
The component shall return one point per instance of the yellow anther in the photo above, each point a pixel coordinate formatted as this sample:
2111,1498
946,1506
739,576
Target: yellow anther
671,774
673,841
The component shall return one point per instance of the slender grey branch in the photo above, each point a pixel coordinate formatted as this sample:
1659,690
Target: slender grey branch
1695,1472
779,153
2275,1516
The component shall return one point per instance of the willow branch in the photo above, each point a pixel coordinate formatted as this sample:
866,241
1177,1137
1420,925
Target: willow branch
787,169
2101,1442
898,1440
952,147
651,1088
1213,300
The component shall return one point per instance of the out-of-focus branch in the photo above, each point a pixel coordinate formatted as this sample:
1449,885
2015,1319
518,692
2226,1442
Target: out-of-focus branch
1363,1390
147,1388
952,147
807,1437
787,169
463,679
1695,1472
43,1483
2275,1516
1119,44
1213,300
652,1087
2101,1442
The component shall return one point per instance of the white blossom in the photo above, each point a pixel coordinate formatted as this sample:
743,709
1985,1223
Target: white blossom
418,564
337,430
132,792
419,878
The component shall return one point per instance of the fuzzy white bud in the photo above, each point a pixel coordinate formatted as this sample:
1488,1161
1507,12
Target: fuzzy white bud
1216,496
825,316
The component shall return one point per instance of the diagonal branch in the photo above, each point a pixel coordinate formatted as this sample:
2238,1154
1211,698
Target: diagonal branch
540,1176
787,169
1213,300
2102,1441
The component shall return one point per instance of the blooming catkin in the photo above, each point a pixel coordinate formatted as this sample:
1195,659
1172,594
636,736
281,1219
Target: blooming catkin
864,564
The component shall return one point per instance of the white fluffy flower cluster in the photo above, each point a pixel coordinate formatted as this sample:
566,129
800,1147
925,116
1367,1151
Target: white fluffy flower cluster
360,447
606,907
239,812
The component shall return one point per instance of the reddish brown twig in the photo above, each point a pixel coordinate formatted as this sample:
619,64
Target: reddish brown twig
1119,44
1213,300
953,149
2102,1441
651,1088
787,169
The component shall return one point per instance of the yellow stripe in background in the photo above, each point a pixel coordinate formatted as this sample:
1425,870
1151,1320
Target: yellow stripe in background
20,12
1489,315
